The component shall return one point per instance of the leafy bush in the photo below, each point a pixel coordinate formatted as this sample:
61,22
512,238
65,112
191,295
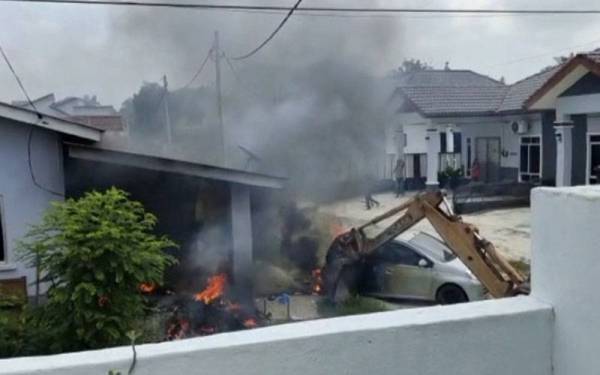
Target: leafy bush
95,252
450,177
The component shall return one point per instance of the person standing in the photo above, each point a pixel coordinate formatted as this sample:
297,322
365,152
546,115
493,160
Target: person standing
399,176
475,171
370,188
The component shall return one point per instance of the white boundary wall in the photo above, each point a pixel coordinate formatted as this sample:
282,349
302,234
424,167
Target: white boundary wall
566,272
552,332
510,336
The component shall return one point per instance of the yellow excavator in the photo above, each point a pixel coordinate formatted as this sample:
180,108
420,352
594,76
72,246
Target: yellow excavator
347,250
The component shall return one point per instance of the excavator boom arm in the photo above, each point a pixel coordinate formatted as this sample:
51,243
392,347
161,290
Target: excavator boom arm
478,254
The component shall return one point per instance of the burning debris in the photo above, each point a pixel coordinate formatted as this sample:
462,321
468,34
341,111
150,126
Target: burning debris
147,288
317,281
214,290
209,311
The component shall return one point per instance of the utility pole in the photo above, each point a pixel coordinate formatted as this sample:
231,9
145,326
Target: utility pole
166,106
217,52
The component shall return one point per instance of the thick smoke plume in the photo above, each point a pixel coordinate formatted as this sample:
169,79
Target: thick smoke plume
310,105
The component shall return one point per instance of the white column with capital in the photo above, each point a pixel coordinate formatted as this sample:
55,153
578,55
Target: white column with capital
564,153
433,158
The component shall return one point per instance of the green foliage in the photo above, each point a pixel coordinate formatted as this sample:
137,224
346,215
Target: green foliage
11,333
95,251
411,66
450,177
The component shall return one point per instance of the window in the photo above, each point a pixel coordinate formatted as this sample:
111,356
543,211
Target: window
594,159
3,255
530,159
397,253
450,159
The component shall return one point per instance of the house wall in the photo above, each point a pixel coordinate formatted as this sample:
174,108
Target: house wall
496,127
577,104
414,127
578,171
22,202
548,149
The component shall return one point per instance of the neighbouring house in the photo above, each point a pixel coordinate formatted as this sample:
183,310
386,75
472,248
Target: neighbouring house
573,93
57,151
85,110
32,175
452,118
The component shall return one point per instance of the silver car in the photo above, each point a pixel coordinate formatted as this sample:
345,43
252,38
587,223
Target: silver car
420,269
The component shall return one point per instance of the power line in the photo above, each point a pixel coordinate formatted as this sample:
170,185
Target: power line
31,170
545,54
240,7
30,136
264,43
19,82
237,76
199,71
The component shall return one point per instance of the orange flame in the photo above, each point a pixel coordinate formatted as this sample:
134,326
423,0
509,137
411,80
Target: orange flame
147,287
250,323
317,281
214,289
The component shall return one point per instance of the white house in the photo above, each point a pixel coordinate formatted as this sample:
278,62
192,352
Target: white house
452,118
573,92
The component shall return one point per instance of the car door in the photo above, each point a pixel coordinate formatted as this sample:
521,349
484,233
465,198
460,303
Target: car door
404,277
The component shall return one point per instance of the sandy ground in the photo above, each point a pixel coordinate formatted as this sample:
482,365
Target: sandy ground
508,229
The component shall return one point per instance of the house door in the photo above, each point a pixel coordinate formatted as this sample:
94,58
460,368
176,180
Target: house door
487,150
417,166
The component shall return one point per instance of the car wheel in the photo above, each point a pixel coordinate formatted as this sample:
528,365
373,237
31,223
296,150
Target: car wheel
450,294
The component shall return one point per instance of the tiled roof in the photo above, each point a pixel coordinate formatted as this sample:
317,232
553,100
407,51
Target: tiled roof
464,92
448,92
520,91
447,78
455,100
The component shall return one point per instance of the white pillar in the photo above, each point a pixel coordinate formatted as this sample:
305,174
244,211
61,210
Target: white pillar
241,230
433,158
564,153
565,265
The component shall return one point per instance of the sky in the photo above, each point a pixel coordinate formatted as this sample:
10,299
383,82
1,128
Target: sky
111,51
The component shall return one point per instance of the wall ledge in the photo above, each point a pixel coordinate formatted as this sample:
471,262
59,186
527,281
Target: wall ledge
326,329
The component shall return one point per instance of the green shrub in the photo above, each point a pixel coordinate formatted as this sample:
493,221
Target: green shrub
95,252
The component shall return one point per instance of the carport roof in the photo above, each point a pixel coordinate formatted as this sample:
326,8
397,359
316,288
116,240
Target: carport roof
27,116
164,164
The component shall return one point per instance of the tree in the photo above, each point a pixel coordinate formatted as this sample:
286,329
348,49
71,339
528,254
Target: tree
558,60
412,65
95,252
148,111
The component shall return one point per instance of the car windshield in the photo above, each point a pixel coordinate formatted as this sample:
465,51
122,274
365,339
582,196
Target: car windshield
432,247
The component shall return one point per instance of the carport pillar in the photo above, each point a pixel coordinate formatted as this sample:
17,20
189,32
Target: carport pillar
433,149
564,153
241,229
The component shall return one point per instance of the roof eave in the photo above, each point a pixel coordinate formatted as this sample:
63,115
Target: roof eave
579,59
162,164
30,117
